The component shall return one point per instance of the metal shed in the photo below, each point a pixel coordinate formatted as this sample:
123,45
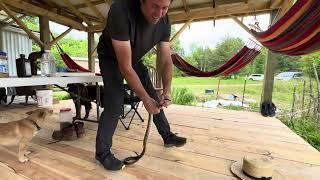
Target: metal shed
14,42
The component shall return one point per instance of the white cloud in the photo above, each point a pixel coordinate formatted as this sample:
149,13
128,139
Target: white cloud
208,35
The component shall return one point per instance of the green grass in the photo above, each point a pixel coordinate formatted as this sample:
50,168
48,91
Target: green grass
61,95
307,128
282,92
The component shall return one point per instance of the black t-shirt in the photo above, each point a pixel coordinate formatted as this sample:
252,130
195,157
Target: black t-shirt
126,22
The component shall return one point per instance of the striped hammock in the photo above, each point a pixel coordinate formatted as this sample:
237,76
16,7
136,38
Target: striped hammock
237,62
297,32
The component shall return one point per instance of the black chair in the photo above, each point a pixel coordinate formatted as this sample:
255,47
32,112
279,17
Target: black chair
130,99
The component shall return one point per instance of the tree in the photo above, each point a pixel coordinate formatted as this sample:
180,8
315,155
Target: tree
306,64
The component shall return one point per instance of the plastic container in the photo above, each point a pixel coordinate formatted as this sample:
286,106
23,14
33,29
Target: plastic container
65,115
4,70
23,66
44,98
48,65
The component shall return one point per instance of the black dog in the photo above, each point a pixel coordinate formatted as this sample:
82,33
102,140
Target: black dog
87,95
3,95
25,91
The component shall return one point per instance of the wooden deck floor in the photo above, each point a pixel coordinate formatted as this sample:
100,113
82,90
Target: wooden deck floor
216,139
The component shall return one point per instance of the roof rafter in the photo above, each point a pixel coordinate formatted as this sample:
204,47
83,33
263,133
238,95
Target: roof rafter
94,9
30,9
219,12
77,12
95,3
21,24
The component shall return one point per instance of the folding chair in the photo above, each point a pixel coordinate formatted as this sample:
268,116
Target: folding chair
130,99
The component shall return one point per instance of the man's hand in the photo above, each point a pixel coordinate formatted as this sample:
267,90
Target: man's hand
165,100
151,105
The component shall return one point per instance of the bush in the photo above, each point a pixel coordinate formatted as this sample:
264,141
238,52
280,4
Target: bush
182,96
306,127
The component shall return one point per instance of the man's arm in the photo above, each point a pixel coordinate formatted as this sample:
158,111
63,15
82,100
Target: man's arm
165,63
123,53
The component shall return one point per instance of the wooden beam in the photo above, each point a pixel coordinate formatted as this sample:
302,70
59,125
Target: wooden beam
242,25
191,7
286,5
185,5
91,45
96,28
55,40
45,32
77,12
28,8
275,3
270,69
11,22
209,13
84,5
94,51
94,9
21,24
181,30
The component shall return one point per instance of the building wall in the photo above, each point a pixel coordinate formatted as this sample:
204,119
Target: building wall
14,42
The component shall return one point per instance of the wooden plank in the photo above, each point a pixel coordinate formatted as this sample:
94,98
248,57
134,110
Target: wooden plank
159,165
9,174
181,30
94,9
275,3
35,10
244,27
219,12
86,158
84,5
30,169
77,12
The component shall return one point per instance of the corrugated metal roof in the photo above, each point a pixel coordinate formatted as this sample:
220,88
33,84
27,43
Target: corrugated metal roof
14,42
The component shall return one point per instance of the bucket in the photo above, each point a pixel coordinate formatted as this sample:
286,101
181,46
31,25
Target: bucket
65,115
44,98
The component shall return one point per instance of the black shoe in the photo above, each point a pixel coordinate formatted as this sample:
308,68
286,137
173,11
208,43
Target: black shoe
174,140
111,163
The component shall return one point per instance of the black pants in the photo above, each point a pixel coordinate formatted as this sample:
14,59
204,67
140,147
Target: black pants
113,103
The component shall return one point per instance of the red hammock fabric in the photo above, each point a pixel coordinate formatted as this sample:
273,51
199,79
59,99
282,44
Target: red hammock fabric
297,32
238,61
73,65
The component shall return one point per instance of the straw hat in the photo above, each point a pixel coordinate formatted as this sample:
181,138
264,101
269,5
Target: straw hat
255,167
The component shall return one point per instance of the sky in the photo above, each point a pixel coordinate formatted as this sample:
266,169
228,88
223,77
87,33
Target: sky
200,33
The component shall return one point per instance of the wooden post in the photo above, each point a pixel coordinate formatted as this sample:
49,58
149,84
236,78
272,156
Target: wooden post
270,67
45,32
91,47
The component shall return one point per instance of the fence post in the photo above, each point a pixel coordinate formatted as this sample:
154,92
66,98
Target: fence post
218,89
293,103
303,94
244,89
310,95
318,90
